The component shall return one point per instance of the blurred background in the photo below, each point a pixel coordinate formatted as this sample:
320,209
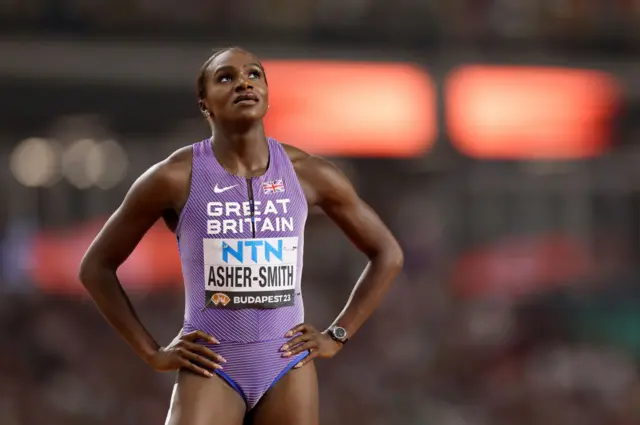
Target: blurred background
499,139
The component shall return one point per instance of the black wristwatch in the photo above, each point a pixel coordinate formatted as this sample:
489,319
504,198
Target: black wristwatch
338,333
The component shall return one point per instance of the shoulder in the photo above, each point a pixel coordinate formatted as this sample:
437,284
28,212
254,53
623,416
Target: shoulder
167,180
308,163
179,162
294,153
174,167
323,179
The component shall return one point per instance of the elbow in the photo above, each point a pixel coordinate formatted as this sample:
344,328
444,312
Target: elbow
88,271
85,270
391,256
397,258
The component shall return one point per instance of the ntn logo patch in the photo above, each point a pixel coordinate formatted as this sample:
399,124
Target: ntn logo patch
267,251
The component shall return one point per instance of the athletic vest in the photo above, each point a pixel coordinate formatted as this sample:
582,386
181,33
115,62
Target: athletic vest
241,242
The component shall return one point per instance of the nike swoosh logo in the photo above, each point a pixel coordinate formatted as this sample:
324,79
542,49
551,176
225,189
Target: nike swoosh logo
217,189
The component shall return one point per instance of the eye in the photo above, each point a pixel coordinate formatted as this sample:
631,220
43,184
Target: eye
224,78
255,74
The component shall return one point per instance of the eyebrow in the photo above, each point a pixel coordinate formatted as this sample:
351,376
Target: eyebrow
256,64
226,67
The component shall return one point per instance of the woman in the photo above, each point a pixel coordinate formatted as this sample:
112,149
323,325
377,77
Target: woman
238,204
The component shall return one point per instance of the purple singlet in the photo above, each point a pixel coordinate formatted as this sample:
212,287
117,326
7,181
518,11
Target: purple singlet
241,242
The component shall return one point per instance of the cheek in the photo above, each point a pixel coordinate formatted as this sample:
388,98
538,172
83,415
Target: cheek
264,94
216,99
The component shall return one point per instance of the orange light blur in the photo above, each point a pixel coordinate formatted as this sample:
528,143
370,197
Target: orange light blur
530,112
350,108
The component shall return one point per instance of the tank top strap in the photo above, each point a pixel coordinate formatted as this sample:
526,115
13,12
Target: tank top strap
201,159
206,165
280,162
203,171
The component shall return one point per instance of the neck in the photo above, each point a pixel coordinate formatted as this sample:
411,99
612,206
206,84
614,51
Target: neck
241,152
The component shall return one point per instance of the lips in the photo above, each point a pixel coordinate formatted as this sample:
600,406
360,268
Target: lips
249,97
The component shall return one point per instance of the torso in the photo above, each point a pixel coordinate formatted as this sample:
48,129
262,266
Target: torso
242,276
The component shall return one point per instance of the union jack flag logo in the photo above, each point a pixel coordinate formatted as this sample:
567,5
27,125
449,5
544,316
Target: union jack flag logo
273,186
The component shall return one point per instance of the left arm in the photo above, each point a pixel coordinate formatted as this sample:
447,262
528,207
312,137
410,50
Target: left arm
339,200
327,187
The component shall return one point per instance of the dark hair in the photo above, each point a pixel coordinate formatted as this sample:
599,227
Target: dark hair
201,83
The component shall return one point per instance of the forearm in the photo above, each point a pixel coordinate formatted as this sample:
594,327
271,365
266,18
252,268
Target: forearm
104,287
368,292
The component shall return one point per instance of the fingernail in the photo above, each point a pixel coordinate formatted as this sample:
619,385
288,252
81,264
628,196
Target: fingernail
299,365
287,354
223,360
210,375
215,341
289,334
284,347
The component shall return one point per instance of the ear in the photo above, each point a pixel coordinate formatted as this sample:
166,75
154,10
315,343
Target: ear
205,111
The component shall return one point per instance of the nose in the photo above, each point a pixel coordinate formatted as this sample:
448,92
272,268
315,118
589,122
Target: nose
243,85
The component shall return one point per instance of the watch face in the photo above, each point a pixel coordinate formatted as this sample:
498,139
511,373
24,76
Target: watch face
339,332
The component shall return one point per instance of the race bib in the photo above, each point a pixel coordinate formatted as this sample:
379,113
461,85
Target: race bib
250,273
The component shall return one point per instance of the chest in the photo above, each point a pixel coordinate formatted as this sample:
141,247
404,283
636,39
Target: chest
273,205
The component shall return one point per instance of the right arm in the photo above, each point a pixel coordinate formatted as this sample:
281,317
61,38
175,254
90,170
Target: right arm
155,192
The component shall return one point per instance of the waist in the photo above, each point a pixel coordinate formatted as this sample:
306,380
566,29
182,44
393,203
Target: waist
244,325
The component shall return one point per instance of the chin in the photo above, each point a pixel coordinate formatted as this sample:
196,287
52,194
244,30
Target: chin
252,114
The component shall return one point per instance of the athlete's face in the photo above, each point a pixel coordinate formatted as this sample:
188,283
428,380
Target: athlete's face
236,87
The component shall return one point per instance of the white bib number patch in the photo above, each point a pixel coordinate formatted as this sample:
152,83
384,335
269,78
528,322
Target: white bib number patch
250,273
